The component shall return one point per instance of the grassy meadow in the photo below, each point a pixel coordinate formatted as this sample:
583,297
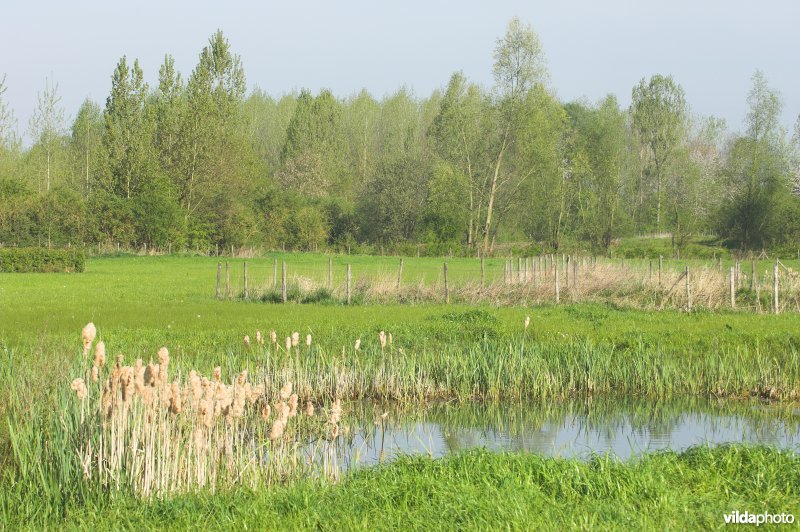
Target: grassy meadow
458,352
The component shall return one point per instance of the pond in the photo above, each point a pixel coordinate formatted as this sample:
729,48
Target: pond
572,429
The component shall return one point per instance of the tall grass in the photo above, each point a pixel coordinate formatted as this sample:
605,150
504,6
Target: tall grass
476,490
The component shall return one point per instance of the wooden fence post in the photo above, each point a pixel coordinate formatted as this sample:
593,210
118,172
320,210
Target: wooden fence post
660,262
283,281
483,271
533,273
446,286
274,274
574,275
219,280
566,271
650,276
775,304
752,275
519,269
330,273
227,279
400,274
349,277
733,289
555,280
688,291
245,280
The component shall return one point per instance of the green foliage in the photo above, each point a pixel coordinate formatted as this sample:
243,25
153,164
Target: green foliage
197,163
40,260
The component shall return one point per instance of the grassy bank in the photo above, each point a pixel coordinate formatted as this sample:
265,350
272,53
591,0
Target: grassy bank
478,490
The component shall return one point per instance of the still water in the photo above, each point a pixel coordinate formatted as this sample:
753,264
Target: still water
574,429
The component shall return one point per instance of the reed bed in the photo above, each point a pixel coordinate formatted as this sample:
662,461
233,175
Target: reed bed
632,285
142,429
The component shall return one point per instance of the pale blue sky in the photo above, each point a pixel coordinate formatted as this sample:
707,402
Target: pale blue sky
711,47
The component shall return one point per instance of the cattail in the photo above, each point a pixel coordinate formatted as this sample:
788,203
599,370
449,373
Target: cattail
107,399
255,393
309,408
242,378
308,340
100,354
175,398
293,405
240,396
247,341
126,379
527,322
150,375
382,338
120,360
282,411
95,373
206,412
295,339
79,387
335,413
276,432
286,391
273,337
265,411
335,432
390,339
217,374
163,364
259,338
88,333
358,344
288,343
138,375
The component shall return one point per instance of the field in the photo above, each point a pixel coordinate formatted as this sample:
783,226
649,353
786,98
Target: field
472,353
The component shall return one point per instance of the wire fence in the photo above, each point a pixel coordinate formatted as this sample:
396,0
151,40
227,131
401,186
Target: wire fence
756,286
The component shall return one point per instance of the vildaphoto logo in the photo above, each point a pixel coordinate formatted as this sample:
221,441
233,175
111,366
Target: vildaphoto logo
747,518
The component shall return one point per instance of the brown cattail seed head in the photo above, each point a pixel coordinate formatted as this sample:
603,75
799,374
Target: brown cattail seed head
247,341
265,411
286,391
277,429
100,354
382,338
293,405
79,387
527,322
308,340
95,373
295,339
288,343
163,356
273,337
88,333
217,374
358,344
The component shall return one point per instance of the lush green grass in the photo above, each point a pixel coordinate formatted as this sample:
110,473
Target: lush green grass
141,303
477,491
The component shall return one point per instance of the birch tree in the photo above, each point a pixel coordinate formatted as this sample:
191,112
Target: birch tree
47,128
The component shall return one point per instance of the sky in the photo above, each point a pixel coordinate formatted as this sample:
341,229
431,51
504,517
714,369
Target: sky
711,47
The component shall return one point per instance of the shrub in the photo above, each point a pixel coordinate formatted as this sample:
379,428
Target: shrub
42,260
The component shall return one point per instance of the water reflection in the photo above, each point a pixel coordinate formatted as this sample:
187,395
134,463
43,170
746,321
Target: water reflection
579,429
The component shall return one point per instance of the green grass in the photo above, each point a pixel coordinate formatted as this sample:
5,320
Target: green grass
475,491
456,351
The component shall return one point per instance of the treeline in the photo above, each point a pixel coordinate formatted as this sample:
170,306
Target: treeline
196,162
